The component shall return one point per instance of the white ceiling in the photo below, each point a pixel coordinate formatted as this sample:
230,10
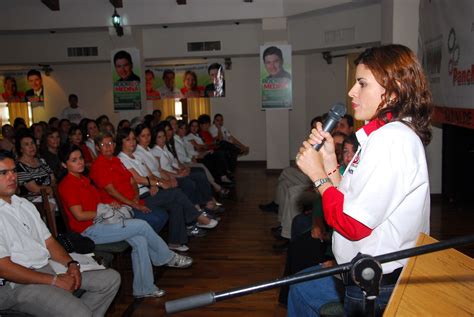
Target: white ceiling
32,15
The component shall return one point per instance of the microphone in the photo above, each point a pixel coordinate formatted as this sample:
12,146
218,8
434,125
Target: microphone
335,115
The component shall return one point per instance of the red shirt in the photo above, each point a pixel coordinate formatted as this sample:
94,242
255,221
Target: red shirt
208,139
88,158
106,171
75,191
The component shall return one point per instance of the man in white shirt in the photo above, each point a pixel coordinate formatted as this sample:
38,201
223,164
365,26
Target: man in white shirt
29,284
73,113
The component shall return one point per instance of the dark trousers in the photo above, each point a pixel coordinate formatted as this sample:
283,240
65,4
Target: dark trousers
180,210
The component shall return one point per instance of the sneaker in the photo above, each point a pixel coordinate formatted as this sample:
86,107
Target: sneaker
157,293
178,247
180,261
211,215
212,224
194,231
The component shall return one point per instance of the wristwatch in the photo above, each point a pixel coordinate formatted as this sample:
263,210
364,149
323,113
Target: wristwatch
73,262
320,182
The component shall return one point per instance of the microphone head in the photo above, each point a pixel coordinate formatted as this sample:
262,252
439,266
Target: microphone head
338,110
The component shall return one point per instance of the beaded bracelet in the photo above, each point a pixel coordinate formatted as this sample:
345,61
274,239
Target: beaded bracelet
334,171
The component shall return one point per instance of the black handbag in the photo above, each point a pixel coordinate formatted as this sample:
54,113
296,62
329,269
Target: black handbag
75,242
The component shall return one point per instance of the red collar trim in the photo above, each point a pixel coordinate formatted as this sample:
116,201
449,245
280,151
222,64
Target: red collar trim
375,124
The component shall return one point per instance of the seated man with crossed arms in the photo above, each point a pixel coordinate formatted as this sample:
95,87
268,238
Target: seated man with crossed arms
28,283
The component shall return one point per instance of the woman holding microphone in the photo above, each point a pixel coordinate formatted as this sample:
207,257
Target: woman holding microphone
383,201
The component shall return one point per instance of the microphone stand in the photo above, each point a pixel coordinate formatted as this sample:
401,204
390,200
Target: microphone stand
366,272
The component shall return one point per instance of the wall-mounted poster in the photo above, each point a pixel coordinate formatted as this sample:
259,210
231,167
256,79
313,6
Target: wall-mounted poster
275,76
22,86
126,70
448,58
185,81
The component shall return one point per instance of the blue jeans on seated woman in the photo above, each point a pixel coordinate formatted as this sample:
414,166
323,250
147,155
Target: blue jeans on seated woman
307,298
157,218
148,248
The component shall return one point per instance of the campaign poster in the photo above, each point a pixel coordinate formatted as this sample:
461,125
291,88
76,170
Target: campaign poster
126,70
275,76
22,86
447,52
185,81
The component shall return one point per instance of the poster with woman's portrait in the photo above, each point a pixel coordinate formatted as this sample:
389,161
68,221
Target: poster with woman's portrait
275,76
22,86
126,70
185,81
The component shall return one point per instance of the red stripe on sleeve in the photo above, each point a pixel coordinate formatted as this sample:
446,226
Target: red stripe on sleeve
333,203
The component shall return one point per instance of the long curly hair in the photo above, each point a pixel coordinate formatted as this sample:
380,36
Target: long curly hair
396,68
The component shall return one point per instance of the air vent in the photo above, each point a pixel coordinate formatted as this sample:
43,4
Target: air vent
340,35
204,46
82,51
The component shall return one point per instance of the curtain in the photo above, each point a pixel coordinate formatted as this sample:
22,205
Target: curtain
18,110
197,107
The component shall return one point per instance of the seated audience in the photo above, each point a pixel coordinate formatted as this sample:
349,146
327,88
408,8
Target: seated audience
215,161
89,133
222,135
181,211
230,151
75,137
193,182
116,184
80,200
49,150
7,142
188,156
18,124
32,286
310,235
37,130
34,174
63,126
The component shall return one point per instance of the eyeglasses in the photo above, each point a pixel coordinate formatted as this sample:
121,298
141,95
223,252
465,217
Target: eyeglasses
5,172
110,143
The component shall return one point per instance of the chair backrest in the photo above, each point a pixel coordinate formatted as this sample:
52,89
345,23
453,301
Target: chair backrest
47,213
61,208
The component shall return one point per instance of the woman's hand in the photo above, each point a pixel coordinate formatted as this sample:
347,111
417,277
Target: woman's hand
115,204
154,190
141,208
310,162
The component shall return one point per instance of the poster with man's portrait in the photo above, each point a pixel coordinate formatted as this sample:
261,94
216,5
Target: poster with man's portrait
275,76
22,86
185,81
126,70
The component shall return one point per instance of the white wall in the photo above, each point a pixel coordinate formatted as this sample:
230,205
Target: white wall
307,32
91,82
172,42
292,7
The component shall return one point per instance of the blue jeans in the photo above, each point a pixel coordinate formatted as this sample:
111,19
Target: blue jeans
147,248
157,218
307,298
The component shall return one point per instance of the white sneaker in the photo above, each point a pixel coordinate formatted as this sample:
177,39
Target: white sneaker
158,293
212,224
180,261
178,247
